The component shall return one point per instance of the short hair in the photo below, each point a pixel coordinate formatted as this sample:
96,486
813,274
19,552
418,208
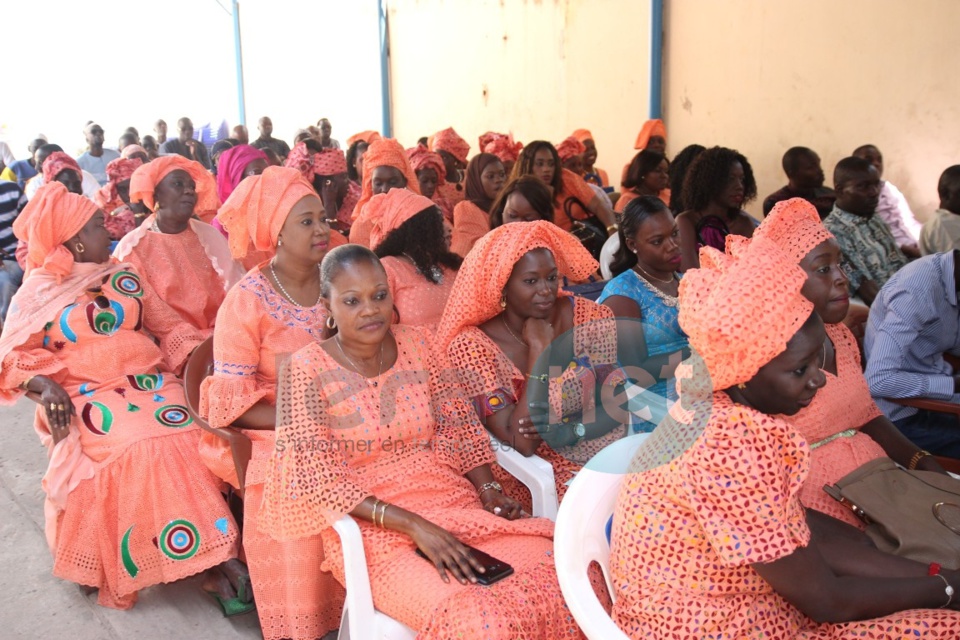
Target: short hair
44,152
531,188
642,164
792,158
864,148
848,168
707,177
949,179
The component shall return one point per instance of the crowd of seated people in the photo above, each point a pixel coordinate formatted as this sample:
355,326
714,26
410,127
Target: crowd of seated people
428,303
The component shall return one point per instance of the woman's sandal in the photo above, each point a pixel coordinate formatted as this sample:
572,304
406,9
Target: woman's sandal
232,606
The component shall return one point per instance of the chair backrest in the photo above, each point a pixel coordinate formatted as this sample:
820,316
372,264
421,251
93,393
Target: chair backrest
610,248
199,366
580,536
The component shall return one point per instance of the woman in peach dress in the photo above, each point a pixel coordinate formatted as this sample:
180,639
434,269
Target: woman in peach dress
273,312
128,504
471,218
385,167
709,537
370,424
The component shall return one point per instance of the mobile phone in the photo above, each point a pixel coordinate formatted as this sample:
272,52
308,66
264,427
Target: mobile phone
496,570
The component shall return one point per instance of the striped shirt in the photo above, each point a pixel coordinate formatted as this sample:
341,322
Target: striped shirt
10,195
869,250
913,322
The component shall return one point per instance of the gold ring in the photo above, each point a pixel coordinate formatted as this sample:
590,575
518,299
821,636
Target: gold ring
60,407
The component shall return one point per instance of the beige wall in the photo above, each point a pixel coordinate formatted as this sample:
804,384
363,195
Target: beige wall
537,68
762,76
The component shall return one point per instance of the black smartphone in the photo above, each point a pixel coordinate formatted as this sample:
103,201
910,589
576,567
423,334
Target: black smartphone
496,570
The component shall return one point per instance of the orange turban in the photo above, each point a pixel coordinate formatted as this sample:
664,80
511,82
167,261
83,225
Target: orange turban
256,210
650,128
53,216
422,158
367,136
793,225
582,135
118,170
450,141
737,317
390,210
500,145
145,179
57,162
385,152
570,147
486,269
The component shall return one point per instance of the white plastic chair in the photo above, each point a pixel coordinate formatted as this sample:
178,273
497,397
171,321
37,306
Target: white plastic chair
610,247
580,535
535,473
360,620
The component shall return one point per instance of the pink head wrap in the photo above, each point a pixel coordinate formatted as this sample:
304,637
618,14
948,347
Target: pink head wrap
57,162
118,170
500,145
422,158
233,162
570,147
450,141
132,149
329,162
794,225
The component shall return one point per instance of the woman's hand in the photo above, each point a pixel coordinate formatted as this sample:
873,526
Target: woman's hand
533,427
445,551
59,408
537,333
501,505
328,196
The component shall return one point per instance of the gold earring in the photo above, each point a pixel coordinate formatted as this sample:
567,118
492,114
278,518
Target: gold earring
503,302
156,207
331,323
79,247
741,386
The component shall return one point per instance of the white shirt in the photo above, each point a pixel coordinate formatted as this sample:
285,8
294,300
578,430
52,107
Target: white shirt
98,166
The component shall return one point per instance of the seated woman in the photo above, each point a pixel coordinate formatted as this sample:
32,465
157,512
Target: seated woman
129,504
272,312
471,218
678,172
237,163
717,185
415,473
357,146
506,320
385,167
573,199
645,286
408,238
59,167
648,175
431,175
843,425
185,264
522,199
709,536
453,151
114,198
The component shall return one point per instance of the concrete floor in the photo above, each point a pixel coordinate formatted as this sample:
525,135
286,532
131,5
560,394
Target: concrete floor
34,604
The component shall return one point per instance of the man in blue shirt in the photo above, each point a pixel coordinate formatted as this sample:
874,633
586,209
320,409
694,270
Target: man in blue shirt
26,169
914,320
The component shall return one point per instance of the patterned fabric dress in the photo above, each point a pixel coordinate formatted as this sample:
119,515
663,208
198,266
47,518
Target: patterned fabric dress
257,329
686,533
420,303
831,425
494,383
470,222
152,512
661,330
406,437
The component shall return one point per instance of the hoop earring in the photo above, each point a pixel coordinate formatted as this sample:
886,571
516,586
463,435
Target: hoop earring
503,301
79,247
331,323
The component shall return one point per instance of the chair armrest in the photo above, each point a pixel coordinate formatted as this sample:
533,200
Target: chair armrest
928,404
535,473
359,602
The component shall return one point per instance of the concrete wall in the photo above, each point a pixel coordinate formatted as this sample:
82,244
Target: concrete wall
537,68
763,76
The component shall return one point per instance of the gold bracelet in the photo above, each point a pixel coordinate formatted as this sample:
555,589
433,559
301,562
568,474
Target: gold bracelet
373,516
383,512
25,385
917,457
613,228
542,378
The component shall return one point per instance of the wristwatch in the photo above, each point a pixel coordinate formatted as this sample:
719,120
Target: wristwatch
580,431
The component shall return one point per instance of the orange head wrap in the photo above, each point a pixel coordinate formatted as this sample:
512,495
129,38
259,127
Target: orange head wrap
500,145
450,141
738,318
650,128
256,210
793,225
391,209
385,152
422,158
145,179
53,216
486,269
582,135
570,147
57,162
367,136
118,170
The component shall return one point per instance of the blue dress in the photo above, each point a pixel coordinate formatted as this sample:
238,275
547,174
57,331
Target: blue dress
659,315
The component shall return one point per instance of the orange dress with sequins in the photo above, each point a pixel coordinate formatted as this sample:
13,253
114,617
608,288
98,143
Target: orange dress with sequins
406,437
257,328
686,533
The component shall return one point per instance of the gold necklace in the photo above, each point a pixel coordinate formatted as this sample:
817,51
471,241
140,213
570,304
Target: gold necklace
642,270
503,319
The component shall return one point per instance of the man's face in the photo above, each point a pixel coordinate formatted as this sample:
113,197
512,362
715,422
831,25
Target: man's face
186,129
94,135
266,127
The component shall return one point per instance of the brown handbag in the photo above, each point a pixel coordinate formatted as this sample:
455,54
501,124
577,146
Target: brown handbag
913,514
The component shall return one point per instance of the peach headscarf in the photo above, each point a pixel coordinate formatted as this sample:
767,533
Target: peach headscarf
738,318
422,158
57,162
793,225
450,141
570,147
118,170
486,269
367,136
53,216
500,145
131,149
650,128
256,210
582,135
390,210
385,152
145,179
